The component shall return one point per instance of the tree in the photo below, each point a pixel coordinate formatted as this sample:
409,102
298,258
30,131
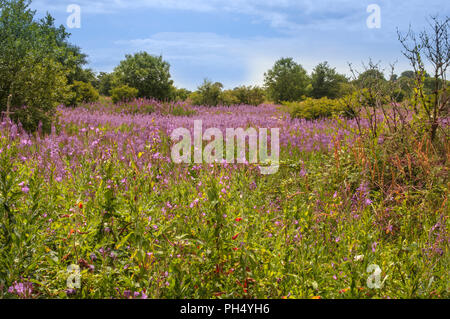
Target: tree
32,71
149,74
286,81
249,95
208,93
82,93
228,97
434,46
180,94
123,93
74,60
326,82
105,83
408,74
372,77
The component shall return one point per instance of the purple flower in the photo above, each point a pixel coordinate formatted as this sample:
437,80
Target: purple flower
374,246
303,172
23,290
71,292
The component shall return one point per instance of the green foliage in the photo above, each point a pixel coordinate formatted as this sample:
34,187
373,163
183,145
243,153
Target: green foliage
312,109
208,93
408,74
249,95
326,82
105,83
211,94
74,60
406,85
180,94
178,110
35,60
82,92
123,93
371,78
149,74
228,97
86,76
286,81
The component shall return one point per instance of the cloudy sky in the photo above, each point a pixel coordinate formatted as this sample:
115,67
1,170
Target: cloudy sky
236,41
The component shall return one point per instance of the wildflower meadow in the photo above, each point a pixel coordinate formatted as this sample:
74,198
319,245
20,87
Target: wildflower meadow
314,185
102,193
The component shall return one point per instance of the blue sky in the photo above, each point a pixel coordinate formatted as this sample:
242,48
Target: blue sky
236,41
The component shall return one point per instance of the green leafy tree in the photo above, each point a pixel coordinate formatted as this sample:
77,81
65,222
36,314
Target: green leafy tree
249,95
180,94
33,64
75,60
228,97
86,76
286,81
105,83
408,74
82,93
326,82
370,78
149,74
208,93
123,93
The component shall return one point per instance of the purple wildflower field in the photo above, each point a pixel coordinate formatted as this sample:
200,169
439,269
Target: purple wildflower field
101,192
307,183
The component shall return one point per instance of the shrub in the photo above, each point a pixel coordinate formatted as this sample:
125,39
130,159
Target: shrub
82,92
123,93
312,109
149,74
212,94
249,95
180,94
228,97
208,93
